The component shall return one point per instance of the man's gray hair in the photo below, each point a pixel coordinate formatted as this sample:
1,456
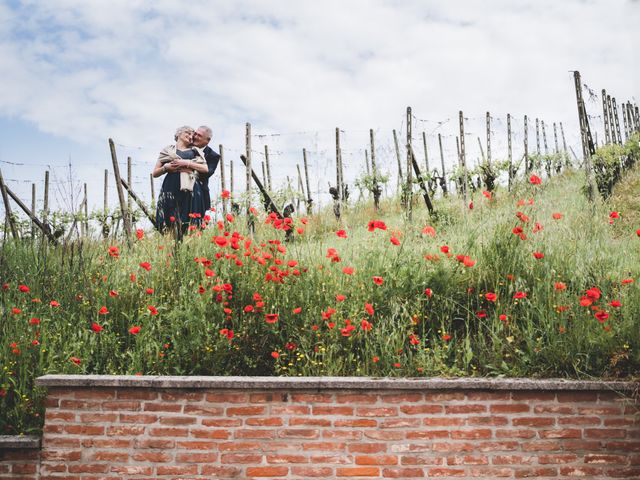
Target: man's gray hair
184,128
206,129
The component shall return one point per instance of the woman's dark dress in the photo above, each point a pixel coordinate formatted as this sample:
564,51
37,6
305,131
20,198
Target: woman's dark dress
186,208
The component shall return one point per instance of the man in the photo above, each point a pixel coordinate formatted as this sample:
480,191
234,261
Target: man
201,139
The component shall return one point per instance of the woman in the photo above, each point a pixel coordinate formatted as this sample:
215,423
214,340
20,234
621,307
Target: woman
181,198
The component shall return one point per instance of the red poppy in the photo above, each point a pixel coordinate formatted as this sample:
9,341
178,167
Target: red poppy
229,218
487,195
627,281
535,180
538,255
340,298
209,273
446,337
470,205
481,314
114,252
556,216
602,316
517,230
560,286
413,339
348,270
638,232
134,330
248,309
366,325
594,293
586,301
132,277
140,233
54,303
369,308
394,240
490,296
75,360
444,249
378,280
34,321
113,293
429,231
225,194
520,295
375,359
275,355
428,292
468,261
146,266
103,311
271,317
615,303
172,219
397,365
341,234
614,214
152,310
373,224
149,291
24,288
297,310
96,328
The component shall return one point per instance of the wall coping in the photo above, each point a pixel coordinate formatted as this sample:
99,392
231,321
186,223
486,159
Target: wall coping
330,383
19,442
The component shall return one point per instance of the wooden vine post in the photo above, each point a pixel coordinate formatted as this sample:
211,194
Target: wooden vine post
306,177
374,172
555,138
538,136
338,176
605,117
33,209
509,152
463,160
268,185
443,183
488,138
400,176
45,200
585,133
250,224
123,205
408,200
614,109
526,146
7,208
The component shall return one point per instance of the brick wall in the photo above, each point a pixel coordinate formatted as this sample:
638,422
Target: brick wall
146,427
19,457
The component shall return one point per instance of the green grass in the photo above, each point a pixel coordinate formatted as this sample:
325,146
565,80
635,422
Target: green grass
456,331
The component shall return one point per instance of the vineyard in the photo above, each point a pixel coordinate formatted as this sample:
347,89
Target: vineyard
535,276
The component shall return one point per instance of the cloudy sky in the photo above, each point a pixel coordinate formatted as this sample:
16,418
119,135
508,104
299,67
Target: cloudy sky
77,72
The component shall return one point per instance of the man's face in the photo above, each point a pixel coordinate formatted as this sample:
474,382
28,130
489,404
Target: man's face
201,138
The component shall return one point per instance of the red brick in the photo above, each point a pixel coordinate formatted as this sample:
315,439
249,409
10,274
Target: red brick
356,398
180,396
169,432
341,434
332,459
468,460
240,458
245,411
403,473
109,456
623,446
600,410
443,421
23,468
536,472
558,458
54,415
402,398
240,447
330,446
203,411
376,460
226,397
427,434
510,408
579,420
290,410
605,433
94,394
385,434
446,472
580,471
221,472
210,433
177,470
519,433
442,397
252,433
493,396
125,430
137,418
471,434
154,443
511,460
311,398
196,457
269,397
577,397
88,468
455,409
603,458
357,471
154,457
177,420
491,472
281,458
137,394
121,405
492,420
79,405
66,442
421,460
533,422
564,433
561,409
631,472
131,470
400,422
106,443
196,445
357,422
318,422
367,447
496,446
225,422
263,422
83,430
331,410
377,411
162,407
267,471
541,446
321,472
421,409
620,422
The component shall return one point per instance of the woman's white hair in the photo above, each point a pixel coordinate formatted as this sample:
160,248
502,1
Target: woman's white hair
182,129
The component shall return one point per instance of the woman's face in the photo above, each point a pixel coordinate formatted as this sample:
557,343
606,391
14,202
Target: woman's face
186,136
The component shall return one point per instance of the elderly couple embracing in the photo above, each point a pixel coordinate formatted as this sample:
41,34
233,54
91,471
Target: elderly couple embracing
184,198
